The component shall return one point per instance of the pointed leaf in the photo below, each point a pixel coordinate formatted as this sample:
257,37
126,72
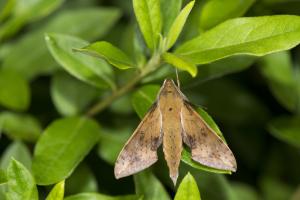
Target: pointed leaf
215,11
178,24
34,9
61,148
57,193
171,9
180,63
212,186
85,68
19,152
256,36
20,126
109,52
26,11
148,15
142,182
33,49
188,189
20,184
13,85
6,8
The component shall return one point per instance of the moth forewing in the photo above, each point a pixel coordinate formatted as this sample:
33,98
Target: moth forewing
206,146
140,150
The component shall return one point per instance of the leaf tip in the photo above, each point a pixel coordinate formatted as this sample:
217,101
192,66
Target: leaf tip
194,72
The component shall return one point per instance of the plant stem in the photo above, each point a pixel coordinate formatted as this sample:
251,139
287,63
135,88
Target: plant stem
151,65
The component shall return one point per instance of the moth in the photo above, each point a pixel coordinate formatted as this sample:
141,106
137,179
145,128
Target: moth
171,121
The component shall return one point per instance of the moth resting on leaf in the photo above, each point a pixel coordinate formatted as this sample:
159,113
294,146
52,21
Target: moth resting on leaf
171,120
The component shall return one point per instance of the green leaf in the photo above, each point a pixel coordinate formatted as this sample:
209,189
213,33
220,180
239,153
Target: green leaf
33,50
278,69
20,126
148,15
25,11
85,68
111,142
3,177
96,196
62,147
256,36
213,186
19,152
178,24
13,85
57,193
188,189
180,63
20,183
143,98
34,9
171,9
286,129
215,11
109,52
209,71
71,96
81,180
6,8
149,186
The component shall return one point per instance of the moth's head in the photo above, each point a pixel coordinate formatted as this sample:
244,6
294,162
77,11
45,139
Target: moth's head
169,83
168,88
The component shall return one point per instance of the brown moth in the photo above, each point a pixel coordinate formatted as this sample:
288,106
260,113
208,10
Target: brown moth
171,120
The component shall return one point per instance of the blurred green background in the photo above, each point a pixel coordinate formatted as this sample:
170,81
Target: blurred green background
254,101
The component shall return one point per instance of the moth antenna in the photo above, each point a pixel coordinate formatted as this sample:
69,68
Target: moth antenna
177,78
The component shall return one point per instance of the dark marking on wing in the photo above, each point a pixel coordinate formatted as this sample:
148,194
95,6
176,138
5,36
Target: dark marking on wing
140,150
206,146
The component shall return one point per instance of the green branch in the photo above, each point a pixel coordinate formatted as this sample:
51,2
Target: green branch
151,66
